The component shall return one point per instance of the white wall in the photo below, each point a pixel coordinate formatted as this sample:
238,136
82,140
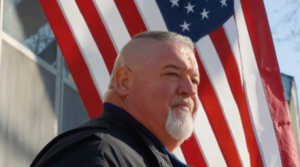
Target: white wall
27,115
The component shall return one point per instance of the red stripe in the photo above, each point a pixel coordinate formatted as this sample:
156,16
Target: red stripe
73,57
193,156
226,56
135,24
131,17
261,39
216,118
98,31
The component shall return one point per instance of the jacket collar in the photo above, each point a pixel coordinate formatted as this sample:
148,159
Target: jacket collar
110,110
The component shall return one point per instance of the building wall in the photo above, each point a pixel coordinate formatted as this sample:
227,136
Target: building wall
38,98
293,107
27,116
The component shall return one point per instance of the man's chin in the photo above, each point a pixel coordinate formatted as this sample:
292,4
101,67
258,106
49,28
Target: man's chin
179,130
179,123
182,137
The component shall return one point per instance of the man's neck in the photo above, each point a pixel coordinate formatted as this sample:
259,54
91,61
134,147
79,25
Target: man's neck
169,143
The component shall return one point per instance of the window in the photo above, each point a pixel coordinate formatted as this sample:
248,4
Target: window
24,20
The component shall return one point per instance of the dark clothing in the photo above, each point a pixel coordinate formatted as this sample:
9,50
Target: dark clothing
115,139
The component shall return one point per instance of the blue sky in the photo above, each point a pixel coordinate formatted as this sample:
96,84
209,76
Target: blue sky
287,55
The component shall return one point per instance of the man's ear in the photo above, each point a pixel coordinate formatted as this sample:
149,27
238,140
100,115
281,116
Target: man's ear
121,80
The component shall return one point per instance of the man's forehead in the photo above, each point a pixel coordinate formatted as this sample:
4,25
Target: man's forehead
172,49
181,56
154,51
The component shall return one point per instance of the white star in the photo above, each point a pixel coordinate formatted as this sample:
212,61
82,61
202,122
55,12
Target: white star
190,8
174,2
185,26
223,2
204,14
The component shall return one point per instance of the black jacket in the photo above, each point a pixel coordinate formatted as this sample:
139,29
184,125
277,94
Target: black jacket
110,140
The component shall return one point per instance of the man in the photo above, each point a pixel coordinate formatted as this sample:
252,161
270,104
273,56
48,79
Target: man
148,111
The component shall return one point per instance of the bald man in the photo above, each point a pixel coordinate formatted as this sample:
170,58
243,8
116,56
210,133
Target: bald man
148,111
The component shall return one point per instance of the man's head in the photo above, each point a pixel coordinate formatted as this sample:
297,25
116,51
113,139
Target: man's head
155,77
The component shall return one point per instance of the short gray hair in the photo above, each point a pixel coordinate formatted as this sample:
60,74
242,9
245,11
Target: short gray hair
166,36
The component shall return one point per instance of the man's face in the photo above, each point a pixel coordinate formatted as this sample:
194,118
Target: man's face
165,88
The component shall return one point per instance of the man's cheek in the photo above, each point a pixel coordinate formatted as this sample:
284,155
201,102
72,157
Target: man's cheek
196,103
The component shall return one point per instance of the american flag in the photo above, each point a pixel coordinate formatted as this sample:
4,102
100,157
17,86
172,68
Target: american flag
243,119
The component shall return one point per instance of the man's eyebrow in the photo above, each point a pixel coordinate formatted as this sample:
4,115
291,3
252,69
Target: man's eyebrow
173,66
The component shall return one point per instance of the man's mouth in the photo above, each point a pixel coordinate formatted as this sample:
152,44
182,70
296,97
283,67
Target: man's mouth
182,107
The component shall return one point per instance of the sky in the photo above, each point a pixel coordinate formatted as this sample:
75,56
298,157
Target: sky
287,55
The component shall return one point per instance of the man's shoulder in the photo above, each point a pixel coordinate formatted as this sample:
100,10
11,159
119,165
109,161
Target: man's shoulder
106,135
123,141
101,143
111,145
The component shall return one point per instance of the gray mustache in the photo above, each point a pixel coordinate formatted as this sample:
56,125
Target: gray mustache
185,101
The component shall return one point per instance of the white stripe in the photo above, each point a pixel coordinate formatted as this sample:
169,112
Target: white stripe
217,77
255,93
203,131
151,15
113,22
231,33
178,153
86,44
204,135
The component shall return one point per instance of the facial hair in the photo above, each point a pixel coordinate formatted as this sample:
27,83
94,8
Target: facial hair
179,124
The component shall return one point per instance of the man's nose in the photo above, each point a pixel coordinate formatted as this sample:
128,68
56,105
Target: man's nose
187,88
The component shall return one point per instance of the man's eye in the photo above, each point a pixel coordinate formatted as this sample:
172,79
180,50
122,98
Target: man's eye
195,82
173,74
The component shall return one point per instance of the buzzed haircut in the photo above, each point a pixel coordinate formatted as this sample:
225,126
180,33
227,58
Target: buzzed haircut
166,36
